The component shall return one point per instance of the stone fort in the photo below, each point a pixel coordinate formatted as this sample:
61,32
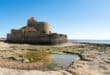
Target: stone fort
36,32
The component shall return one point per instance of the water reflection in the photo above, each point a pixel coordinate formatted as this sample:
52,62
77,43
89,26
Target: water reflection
57,61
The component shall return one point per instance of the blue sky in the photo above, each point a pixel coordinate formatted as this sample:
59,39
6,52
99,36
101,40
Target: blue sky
79,19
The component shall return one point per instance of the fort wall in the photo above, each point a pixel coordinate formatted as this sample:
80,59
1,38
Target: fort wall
36,33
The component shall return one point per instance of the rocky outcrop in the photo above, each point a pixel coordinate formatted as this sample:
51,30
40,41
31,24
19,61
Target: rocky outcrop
95,60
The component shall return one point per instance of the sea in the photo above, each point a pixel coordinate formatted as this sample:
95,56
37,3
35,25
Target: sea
93,41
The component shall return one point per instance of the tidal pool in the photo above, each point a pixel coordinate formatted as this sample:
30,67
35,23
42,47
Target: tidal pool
62,61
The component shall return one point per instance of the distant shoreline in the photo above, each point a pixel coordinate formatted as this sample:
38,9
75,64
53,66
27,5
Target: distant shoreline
94,42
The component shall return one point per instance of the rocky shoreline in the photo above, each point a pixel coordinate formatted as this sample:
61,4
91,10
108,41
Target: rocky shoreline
95,59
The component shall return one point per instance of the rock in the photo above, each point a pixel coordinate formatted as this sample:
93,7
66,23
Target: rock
20,59
107,60
12,58
26,61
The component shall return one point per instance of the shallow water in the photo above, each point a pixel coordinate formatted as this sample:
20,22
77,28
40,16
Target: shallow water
93,41
62,61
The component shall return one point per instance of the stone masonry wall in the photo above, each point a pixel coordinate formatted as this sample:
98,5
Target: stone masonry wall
35,38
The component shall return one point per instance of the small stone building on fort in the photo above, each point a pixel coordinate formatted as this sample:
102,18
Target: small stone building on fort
36,33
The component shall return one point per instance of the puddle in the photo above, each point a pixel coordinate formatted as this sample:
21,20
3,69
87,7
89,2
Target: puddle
62,61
